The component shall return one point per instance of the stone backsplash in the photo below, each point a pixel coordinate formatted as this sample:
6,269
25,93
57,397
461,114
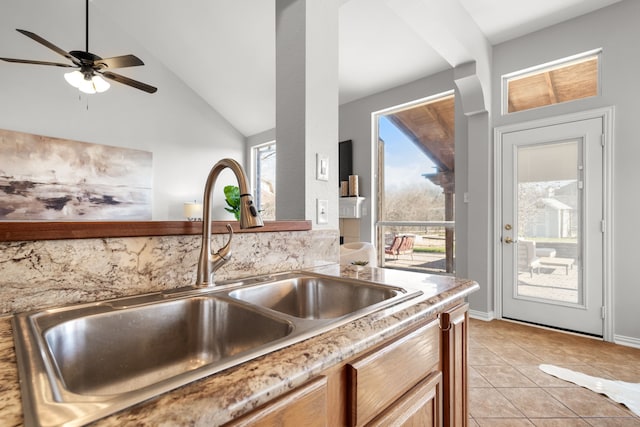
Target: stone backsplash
47,273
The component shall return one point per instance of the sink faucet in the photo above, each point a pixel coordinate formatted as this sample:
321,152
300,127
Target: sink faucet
249,218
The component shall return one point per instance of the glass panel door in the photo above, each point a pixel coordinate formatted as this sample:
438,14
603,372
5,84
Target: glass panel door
552,236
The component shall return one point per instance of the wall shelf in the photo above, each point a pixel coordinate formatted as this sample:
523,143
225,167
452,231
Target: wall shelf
43,230
350,207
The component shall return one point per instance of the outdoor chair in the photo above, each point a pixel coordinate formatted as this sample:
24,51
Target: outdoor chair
392,249
527,259
401,245
406,247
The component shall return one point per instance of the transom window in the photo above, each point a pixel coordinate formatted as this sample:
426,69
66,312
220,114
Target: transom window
555,82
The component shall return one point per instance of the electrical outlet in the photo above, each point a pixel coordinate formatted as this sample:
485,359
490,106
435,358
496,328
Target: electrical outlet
322,211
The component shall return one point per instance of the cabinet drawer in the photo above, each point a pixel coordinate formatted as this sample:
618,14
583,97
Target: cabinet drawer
420,407
304,406
380,378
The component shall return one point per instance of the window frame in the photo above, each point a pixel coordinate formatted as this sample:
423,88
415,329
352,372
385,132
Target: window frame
548,66
257,196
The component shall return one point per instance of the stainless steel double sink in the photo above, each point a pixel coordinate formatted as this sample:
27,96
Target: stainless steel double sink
79,363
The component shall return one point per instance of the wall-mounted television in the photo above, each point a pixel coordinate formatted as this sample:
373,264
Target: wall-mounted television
345,160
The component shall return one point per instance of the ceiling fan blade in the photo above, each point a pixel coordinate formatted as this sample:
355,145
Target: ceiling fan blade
28,61
46,43
120,61
129,82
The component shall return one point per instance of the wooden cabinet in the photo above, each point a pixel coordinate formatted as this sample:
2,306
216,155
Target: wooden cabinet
420,407
417,379
381,378
304,406
454,324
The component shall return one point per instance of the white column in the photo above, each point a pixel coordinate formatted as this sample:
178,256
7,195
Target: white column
306,107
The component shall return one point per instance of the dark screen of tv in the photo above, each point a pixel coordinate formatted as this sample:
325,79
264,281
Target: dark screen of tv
345,160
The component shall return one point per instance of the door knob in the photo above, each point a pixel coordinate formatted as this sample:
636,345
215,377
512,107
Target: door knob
509,240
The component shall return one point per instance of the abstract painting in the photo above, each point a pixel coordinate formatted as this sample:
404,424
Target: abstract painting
44,178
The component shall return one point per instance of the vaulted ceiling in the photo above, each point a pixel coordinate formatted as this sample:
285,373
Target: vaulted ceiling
225,50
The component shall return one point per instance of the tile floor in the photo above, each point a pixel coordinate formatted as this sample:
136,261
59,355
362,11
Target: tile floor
506,388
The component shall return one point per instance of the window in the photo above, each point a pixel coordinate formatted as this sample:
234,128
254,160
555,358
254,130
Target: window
264,179
559,81
416,175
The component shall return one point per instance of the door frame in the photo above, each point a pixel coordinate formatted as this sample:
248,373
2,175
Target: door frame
377,164
607,116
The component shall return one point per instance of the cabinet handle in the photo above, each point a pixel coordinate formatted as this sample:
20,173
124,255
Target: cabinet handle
443,329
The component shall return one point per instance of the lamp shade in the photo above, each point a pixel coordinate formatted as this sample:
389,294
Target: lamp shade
74,78
87,83
192,211
100,84
87,87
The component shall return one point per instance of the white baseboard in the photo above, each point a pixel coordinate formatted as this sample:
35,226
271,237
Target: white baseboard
626,341
482,315
617,339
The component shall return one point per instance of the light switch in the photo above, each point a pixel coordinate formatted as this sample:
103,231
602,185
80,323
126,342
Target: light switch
322,211
322,168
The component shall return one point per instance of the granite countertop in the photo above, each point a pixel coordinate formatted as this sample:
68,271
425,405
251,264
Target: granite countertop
226,395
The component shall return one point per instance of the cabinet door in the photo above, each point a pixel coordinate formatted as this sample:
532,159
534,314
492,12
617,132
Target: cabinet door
454,324
420,407
304,406
379,379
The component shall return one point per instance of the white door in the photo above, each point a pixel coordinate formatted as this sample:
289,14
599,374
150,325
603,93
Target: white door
552,231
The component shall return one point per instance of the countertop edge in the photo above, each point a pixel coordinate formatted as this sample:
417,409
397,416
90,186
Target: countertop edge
230,394
224,396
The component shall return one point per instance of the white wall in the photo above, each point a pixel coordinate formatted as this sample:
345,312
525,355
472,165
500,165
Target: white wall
259,139
355,124
185,135
306,109
615,29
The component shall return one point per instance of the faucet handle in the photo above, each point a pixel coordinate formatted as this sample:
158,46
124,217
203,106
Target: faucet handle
225,251
215,261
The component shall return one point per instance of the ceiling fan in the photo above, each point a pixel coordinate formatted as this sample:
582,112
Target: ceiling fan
90,67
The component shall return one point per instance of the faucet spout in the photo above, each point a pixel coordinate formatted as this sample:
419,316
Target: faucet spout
209,262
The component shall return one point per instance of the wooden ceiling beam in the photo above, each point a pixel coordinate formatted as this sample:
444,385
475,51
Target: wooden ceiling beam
436,117
551,87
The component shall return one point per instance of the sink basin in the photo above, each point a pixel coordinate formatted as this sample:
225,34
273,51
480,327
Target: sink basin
313,297
82,362
125,350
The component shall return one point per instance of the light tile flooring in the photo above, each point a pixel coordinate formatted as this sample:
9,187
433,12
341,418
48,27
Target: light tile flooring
506,388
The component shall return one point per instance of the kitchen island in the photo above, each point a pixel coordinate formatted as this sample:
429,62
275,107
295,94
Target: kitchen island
420,344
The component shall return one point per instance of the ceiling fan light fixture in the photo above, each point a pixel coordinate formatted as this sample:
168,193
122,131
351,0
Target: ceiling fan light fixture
87,82
99,84
88,78
87,87
74,78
